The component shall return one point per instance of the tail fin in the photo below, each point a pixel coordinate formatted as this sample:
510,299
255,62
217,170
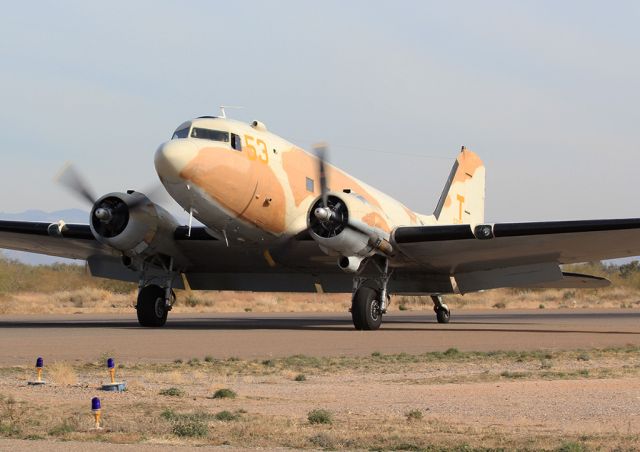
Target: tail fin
462,201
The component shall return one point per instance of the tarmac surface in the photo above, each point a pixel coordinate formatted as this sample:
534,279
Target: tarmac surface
86,337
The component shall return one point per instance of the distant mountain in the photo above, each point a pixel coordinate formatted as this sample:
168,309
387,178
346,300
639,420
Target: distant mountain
68,215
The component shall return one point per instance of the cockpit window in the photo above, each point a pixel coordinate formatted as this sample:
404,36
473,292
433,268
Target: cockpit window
182,133
208,134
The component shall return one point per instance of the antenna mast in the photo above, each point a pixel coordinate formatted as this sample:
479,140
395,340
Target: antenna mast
223,113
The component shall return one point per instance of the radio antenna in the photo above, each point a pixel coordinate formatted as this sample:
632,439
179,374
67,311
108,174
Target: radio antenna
224,114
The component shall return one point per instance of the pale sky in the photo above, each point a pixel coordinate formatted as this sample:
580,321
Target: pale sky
546,92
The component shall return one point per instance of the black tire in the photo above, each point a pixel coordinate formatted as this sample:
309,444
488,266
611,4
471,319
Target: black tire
151,308
443,315
365,309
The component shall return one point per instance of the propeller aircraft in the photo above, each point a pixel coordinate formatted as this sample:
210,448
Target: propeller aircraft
278,218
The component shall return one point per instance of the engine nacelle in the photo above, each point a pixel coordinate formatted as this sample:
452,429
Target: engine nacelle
340,227
133,224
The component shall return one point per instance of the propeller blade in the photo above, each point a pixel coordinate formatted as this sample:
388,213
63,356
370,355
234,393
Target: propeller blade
69,178
155,193
320,150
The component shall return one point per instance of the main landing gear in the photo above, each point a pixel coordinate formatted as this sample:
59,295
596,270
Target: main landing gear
370,299
155,301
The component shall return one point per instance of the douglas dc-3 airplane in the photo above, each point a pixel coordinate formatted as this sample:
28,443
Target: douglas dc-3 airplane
277,218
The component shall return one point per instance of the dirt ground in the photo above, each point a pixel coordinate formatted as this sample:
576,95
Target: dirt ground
572,400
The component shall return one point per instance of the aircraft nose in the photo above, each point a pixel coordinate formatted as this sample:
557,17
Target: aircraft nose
172,157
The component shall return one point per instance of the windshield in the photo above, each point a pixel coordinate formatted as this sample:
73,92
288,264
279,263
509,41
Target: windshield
182,133
208,134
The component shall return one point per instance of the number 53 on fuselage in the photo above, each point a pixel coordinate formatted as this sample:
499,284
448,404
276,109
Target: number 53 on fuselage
279,218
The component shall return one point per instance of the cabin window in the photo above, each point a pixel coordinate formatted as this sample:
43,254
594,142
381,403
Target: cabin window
235,142
208,134
182,133
310,185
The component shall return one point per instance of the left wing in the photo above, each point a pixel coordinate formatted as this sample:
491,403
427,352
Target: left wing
516,254
73,241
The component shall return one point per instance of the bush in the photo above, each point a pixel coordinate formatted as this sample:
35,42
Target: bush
323,440
172,392
208,359
320,417
403,307
61,429
414,415
583,357
190,428
224,393
451,352
500,305
300,377
226,416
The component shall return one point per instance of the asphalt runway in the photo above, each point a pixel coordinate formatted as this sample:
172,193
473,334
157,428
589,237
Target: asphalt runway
85,337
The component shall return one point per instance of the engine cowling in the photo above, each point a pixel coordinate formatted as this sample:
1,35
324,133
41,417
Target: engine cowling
131,223
339,230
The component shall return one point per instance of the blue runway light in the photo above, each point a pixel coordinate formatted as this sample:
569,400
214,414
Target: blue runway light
110,363
97,412
39,363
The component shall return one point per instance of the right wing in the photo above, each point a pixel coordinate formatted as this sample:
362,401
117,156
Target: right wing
516,254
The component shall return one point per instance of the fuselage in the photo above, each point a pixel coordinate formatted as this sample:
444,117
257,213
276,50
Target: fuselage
248,184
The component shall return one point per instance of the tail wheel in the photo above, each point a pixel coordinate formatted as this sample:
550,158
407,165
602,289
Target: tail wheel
443,314
151,307
366,309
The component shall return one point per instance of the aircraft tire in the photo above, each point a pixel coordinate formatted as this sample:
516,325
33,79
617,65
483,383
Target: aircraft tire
443,314
365,309
151,308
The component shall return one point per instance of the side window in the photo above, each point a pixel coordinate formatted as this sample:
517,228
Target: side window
310,184
235,142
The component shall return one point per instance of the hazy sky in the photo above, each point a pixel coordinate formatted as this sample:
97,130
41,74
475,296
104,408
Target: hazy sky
546,92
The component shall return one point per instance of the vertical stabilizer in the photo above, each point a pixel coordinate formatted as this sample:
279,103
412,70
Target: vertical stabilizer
462,200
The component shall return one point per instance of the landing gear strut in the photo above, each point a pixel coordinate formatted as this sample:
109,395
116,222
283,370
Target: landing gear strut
370,300
443,314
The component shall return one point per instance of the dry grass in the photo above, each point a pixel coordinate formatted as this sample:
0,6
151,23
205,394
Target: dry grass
62,373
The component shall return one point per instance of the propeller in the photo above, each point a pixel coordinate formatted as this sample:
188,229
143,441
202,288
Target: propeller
111,215
69,178
329,218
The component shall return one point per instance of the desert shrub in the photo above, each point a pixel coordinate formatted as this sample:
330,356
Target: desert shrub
226,416
208,359
583,356
452,352
224,393
172,392
414,415
323,440
190,428
500,305
320,417
300,377
62,429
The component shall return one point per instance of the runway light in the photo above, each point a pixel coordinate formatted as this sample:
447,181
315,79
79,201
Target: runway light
39,369
117,386
112,370
96,408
